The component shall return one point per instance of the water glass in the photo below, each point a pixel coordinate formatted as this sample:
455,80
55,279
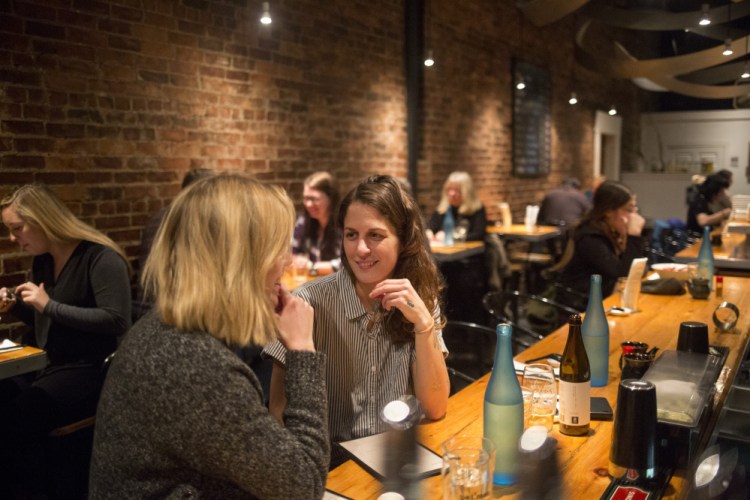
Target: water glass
540,379
468,463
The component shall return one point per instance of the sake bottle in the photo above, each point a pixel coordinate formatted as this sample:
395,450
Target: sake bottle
503,410
449,225
595,331
706,258
575,383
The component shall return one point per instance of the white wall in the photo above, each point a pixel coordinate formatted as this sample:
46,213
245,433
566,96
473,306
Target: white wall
678,142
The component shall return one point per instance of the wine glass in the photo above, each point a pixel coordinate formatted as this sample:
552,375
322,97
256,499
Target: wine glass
540,379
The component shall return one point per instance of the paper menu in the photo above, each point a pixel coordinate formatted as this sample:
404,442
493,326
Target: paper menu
633,284
368,452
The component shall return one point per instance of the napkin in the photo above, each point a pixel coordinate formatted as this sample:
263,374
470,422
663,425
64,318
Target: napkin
6,345
505,212
633,284
532,212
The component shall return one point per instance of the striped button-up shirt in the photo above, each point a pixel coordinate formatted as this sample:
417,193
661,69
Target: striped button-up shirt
365,369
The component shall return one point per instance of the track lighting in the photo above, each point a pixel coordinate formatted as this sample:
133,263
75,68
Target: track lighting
265,18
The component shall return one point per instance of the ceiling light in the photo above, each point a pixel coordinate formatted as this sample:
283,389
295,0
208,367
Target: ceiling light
612,111
429,60
266,17
745,71
520,84
705,18
728,47
573,99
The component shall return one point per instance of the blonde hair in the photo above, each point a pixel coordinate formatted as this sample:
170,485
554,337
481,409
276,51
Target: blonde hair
36,204
470,202
208,266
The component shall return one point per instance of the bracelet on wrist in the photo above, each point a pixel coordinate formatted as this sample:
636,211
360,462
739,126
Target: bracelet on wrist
426,330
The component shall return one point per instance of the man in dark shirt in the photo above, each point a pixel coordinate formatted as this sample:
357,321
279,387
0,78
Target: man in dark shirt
564,205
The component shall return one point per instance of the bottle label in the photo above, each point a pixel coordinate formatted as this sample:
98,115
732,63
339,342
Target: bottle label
575,402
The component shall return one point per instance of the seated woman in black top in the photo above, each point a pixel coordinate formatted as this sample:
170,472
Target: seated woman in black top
700,212
315,233
605,242
466,278
78,302
460,197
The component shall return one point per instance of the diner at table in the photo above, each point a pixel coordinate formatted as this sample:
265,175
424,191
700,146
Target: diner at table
180,414
378,319
77,301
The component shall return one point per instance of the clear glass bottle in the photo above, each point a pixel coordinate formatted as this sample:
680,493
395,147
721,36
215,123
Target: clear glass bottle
449,226
595,331
575,383
706,258
503,409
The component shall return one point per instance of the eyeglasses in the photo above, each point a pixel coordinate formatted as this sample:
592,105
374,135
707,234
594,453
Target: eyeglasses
312,199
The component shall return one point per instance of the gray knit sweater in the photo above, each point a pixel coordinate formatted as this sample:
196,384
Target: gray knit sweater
182,416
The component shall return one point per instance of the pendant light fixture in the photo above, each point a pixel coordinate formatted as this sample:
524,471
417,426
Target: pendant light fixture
728,47
612,111
573,99
745,71
520,84
265,17
429,61
705,19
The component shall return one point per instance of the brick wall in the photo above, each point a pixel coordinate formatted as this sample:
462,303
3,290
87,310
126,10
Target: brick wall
111,101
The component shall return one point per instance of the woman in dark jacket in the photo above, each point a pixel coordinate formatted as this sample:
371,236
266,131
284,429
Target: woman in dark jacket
606,241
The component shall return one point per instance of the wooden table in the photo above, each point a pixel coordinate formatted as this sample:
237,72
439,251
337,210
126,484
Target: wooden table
24,360
726,259
457,251
520,232
583,461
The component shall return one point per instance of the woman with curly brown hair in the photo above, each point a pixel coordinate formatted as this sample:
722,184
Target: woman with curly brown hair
379,319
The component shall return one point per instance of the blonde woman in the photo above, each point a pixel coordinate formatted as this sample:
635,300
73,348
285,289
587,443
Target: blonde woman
460,197
466,278
181,415
78,302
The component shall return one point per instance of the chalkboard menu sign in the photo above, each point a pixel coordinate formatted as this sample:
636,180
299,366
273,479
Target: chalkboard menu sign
531,120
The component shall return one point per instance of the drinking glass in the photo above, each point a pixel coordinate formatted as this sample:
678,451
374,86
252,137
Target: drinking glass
300,266
468,463
527,397
540,379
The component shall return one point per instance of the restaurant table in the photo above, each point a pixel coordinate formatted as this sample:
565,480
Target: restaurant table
520,232
20,361
459,250
583,460
731,257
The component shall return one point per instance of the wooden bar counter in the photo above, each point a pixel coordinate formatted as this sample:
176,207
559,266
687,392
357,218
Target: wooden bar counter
583,460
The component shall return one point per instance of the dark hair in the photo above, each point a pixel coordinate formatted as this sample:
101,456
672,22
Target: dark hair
610,195
713,184
572,182
195,174
386,195
326,184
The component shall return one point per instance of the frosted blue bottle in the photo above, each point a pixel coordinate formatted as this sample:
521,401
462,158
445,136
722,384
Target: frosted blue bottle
706,258
449,225
595,331
503,410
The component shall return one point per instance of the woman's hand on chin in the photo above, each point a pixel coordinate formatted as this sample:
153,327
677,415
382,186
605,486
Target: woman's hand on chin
296,318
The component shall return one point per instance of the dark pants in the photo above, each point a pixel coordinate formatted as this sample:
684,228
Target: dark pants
466,284
59,395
